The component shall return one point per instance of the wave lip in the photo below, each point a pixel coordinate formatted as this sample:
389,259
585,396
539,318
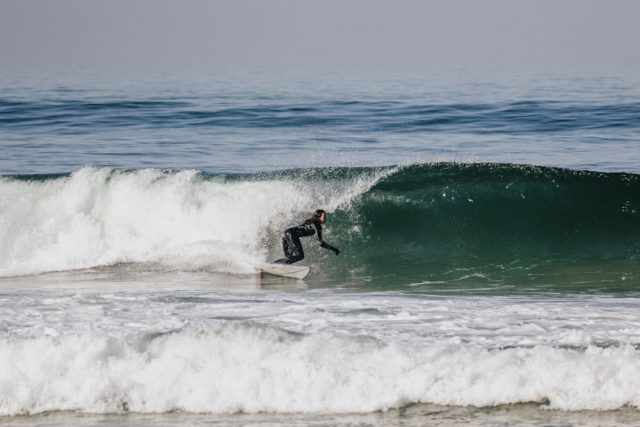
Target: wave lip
247,367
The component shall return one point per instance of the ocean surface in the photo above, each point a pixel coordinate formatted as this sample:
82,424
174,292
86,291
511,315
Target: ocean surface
489,231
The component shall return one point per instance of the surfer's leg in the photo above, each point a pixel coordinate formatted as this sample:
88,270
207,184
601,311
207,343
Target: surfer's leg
285,249
296,249
290,245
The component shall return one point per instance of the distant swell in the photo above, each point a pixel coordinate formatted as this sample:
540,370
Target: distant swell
519,117
245,367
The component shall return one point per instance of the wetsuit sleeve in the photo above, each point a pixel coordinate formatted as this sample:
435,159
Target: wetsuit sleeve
319,233
324,244
331,248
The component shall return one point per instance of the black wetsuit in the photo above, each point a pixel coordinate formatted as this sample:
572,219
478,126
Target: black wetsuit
291,241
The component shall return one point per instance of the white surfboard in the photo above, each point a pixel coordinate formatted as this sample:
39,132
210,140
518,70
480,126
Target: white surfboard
283,270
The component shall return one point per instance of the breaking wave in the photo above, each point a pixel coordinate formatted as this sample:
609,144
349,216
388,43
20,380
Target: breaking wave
409,222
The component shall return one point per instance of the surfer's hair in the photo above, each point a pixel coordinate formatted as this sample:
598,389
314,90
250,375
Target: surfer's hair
318,213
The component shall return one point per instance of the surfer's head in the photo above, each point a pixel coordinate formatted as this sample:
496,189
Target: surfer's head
320,215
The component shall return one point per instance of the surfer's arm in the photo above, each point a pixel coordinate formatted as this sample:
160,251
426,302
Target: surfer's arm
324,244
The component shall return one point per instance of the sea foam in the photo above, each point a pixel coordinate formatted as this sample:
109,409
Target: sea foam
247,367
100,217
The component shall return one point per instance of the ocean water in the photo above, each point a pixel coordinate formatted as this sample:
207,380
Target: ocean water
489,231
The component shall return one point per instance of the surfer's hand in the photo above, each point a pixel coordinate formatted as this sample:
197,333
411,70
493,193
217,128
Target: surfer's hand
337,251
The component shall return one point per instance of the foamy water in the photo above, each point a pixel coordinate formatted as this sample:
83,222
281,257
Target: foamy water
97,217
321,351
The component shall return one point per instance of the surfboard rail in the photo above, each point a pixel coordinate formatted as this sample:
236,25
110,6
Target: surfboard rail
282,270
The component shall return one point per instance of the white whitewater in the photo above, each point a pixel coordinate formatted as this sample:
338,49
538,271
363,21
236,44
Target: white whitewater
223,352
183,220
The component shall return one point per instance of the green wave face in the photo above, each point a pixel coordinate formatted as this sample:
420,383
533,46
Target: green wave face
494,224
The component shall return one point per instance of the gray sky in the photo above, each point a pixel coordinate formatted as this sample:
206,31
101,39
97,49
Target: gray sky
566,34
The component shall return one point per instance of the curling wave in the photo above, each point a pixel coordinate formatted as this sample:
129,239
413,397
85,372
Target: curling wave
410,223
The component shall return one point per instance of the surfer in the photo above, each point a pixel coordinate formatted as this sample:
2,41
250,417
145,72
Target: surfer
291,238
